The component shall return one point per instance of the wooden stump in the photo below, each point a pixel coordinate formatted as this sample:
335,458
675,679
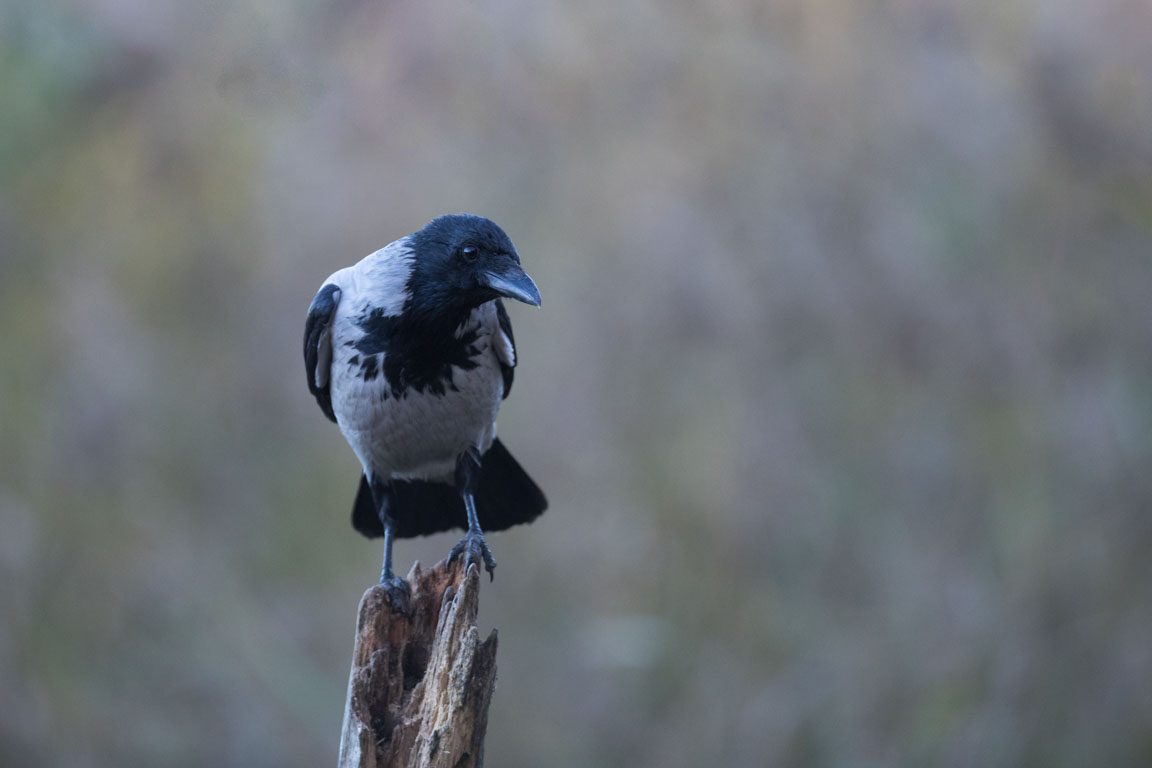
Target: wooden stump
421,680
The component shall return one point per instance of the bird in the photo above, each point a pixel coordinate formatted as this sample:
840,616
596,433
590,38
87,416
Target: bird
410,352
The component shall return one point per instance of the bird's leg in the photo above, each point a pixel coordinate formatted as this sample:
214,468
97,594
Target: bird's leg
473,543
397,588
386,573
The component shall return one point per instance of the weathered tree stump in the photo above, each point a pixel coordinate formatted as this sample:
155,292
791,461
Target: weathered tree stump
421,679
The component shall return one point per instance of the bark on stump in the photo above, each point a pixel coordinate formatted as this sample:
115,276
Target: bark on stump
421,679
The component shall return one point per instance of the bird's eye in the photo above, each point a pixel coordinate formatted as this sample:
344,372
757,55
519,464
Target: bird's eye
469,252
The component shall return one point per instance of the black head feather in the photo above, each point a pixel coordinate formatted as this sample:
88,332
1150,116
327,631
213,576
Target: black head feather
455,259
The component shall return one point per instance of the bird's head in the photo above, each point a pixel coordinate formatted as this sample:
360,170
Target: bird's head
464,261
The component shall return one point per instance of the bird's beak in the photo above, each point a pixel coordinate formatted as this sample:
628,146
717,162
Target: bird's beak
512,281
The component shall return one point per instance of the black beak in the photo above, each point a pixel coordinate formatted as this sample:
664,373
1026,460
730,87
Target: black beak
512,281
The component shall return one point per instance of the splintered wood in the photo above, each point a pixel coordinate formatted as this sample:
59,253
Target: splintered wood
421,679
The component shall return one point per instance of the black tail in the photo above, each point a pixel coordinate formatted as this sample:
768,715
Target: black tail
505,497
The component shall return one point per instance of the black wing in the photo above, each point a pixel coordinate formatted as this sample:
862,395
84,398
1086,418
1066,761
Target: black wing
318,346
507,367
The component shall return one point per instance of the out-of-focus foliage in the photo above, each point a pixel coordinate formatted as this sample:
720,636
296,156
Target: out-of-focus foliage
841,389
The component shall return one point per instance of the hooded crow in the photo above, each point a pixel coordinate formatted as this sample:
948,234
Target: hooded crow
410,351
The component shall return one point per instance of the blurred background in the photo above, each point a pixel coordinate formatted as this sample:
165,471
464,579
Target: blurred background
841,390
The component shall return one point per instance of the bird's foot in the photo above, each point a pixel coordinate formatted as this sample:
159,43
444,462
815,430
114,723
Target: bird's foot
474,547
399,593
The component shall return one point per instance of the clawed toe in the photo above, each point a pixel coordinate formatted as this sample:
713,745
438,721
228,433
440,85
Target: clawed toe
474,547
399,593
